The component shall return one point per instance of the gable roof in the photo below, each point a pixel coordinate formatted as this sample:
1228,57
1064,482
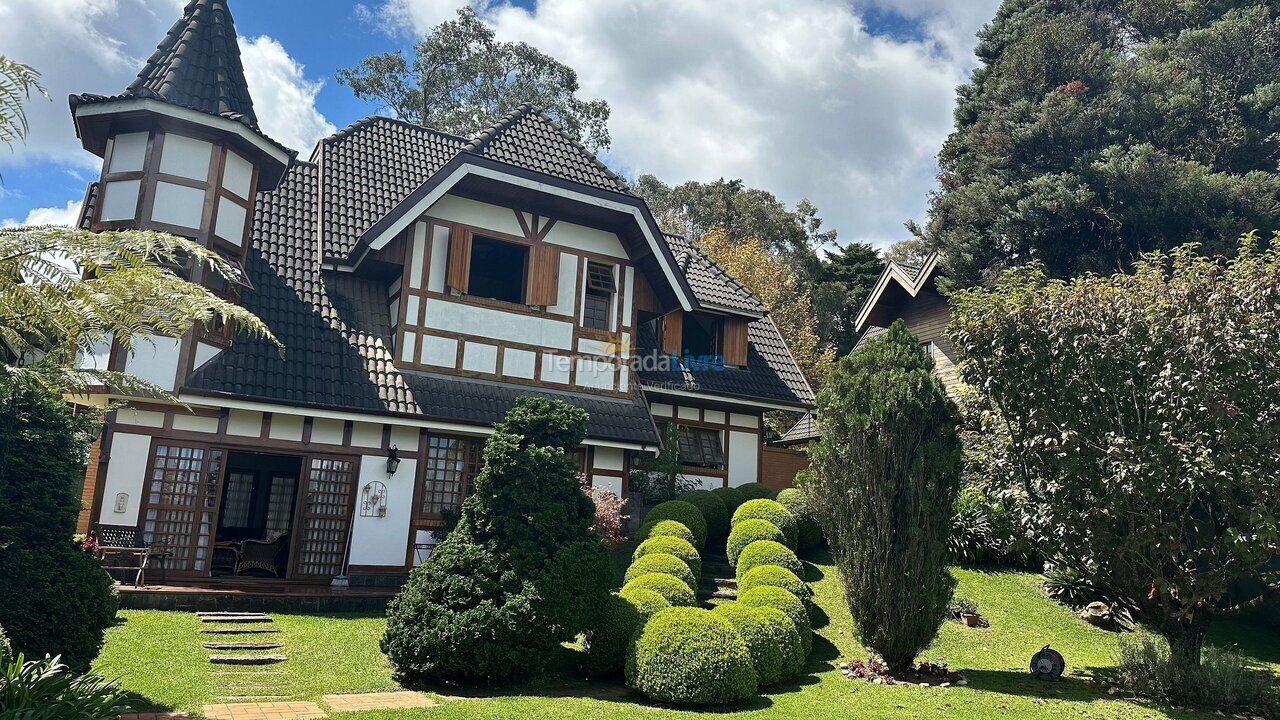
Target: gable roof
805,430
911,277
712,285
197,65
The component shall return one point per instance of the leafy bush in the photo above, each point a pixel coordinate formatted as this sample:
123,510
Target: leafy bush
685,514
522,572
756,491
731,498
689,656
1070,587
1223,681
48,690
609,515
767,552
772,511
774,576
749,531
885,477
605,643
54,598
665,528
808,534
766,638
6,650
662,563
646,602
672,589
671,546
792,606
713,510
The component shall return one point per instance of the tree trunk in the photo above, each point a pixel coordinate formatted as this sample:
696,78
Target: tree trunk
1185,643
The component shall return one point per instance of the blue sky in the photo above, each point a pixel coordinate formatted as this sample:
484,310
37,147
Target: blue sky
845,102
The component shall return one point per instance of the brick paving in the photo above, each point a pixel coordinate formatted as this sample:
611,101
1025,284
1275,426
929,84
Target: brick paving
264,711
378,701
155,716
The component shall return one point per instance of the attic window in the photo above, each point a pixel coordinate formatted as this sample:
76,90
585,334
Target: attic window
701,447
601,287
498,270
701,336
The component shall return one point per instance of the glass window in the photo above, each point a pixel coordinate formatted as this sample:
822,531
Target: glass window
601,287
701,447
701,335
450,465
497,270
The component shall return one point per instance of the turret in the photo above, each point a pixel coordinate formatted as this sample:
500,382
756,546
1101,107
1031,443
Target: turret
182,153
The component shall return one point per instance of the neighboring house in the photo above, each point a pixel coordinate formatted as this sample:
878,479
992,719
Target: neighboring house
420,283
910,293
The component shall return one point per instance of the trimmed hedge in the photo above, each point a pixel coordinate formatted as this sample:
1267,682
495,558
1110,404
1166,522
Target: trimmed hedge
808,534
713,509
605,644
662,563
770,510
756,491
682,549
747,532
765,641
671,588
730,497
779,599
690,656
685,514
768,552
665,528
774,576
646,602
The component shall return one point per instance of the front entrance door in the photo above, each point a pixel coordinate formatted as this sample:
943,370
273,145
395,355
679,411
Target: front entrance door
180,506
255,522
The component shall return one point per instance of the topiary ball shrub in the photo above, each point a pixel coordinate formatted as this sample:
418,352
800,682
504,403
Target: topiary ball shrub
713,510
672,589
808,534
682,549
605,643
792,606
766,642
685,514
757,491
749,531
665,528
774,576
646,602
770,510
662,563
768,552
730,497
689,656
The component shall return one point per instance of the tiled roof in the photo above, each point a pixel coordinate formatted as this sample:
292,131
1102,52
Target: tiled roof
528,138
771,374
334,328
197,65
871,332
805,430
369,169
711,283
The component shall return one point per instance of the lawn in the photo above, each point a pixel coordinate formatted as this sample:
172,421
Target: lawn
158,657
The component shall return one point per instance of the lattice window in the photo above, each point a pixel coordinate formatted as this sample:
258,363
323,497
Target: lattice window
601,287
182,503
701,447
325,516
450,465
280,503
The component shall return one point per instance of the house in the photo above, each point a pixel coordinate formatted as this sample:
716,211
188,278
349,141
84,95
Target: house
910,293
420,283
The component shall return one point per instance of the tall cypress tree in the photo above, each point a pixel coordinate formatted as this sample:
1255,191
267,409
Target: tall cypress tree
1098,129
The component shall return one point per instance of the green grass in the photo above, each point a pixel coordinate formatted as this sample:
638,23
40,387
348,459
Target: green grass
158,656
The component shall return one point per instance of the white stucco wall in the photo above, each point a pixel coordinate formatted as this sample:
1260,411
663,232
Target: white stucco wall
126,473
744,458
499,325
155,359
384,540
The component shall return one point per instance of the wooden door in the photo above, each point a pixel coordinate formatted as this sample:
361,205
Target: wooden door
323,520
180,507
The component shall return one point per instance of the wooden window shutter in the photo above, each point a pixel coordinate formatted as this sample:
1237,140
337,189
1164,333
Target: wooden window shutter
459,258
735,341
673,333
546,275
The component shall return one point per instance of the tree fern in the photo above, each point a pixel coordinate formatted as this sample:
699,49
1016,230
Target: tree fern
17,81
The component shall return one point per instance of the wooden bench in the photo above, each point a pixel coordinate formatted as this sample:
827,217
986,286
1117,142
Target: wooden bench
121,547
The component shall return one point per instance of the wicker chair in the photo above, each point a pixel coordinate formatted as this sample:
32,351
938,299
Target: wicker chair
263,555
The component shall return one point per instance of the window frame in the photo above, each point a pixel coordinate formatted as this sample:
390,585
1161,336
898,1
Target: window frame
703,456
470,455
525,248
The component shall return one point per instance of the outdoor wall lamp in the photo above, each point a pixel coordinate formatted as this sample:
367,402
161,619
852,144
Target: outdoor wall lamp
393,460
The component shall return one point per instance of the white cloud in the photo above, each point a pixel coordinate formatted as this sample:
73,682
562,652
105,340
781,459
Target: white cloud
797,98
68,215
283,98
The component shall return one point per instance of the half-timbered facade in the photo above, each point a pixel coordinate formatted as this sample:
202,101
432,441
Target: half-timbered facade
419,283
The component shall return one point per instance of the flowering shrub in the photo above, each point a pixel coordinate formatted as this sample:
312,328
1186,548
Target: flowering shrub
609,517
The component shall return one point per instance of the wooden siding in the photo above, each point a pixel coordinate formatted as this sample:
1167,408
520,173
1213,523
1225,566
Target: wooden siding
927,316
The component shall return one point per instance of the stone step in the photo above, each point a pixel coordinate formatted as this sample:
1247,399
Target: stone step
246,659
239,630
724,595
726,582
236,619
242,646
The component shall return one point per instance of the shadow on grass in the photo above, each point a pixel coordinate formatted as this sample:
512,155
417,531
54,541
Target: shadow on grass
818,617
139,703
1247,637
1013,682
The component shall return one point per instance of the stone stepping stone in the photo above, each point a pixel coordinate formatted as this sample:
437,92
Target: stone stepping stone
726,582
242,646
236,619
239,630
246,659
724,595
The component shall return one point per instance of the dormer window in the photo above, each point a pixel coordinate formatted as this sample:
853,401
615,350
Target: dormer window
702,335
601,287
498,270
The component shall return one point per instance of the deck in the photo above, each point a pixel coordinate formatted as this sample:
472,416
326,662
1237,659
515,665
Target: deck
247,595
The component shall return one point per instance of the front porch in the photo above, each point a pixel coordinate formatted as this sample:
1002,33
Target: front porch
254,595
